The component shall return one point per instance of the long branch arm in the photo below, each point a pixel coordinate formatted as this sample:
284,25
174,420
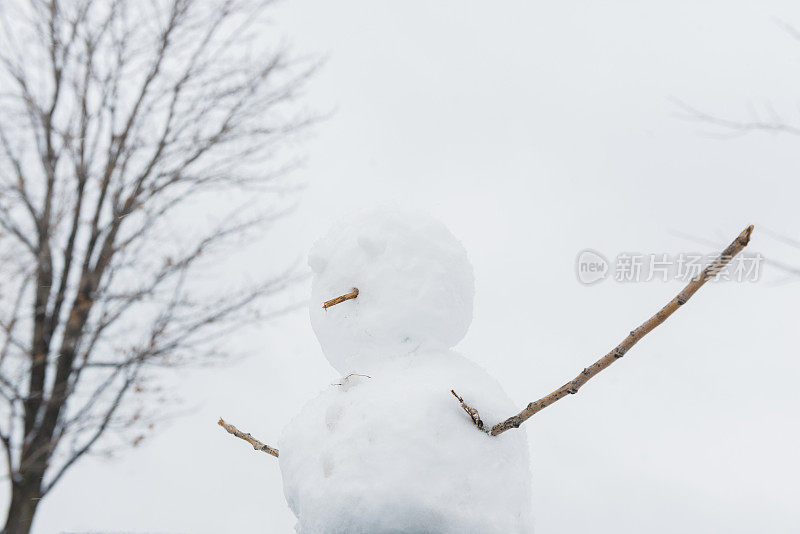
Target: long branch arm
572,387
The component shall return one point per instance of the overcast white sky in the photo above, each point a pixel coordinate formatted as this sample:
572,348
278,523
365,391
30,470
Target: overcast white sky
534,130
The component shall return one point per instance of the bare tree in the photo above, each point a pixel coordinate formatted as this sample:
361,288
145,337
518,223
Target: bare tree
120,121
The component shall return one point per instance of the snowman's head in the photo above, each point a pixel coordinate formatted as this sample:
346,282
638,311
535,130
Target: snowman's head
414,288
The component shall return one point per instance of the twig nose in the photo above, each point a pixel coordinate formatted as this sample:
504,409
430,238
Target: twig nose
338,300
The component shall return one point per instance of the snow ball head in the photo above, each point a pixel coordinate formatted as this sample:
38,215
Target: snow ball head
415,288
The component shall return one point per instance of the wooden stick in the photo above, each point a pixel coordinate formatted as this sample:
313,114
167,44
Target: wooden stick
257,445
472,412
572,387
338,300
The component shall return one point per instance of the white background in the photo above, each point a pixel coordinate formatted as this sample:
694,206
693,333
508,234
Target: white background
534,130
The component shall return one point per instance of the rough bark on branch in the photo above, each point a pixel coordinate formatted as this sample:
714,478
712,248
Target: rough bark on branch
338,300
572,387
472,412
257,445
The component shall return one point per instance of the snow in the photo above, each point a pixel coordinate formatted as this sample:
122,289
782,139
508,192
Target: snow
396,453
389,449
415,287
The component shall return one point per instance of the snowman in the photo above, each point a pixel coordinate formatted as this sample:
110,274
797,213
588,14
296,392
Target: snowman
386,448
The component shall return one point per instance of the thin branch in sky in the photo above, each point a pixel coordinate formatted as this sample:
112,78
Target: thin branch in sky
257,445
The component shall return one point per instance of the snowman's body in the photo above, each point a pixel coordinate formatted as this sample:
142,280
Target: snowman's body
388,449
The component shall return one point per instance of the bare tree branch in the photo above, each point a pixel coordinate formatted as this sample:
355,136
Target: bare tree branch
472,412
572,387
772,123
257,445
75,455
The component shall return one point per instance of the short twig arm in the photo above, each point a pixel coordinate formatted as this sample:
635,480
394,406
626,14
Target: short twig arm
257,445
572,387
